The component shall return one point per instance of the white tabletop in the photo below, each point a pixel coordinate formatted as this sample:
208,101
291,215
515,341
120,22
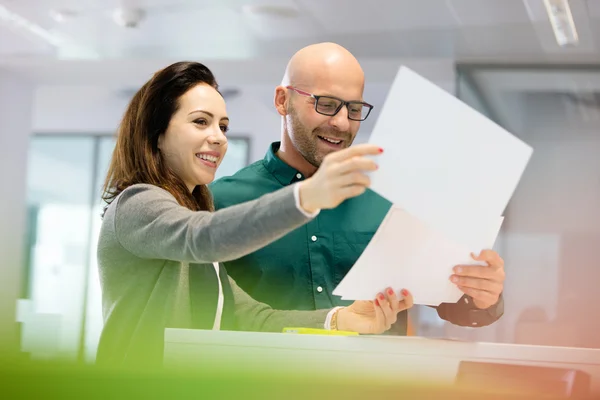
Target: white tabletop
381,356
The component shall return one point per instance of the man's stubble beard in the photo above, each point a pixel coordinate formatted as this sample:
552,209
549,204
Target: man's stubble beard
303,140
306,141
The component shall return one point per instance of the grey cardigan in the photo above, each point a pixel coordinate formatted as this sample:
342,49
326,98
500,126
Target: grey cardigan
146,242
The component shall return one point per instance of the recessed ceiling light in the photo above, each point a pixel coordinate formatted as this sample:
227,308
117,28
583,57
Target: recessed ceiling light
271,10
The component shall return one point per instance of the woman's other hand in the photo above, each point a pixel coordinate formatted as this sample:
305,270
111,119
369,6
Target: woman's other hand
373,317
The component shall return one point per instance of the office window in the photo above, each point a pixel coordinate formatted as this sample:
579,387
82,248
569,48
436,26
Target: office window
64,183
58,197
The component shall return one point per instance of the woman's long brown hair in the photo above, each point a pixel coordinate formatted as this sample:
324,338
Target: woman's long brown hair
136,157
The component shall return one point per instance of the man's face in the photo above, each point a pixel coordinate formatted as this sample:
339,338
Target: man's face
315,135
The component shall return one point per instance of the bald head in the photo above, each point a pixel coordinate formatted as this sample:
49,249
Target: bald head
323,65
330,73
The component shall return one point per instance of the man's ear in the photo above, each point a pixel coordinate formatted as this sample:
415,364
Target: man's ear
281,100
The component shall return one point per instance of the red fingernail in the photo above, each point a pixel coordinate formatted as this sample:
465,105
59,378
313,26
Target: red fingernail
404,292
377,302
380,150
390,292
380,297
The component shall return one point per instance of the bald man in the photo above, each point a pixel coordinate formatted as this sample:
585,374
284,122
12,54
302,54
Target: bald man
321,104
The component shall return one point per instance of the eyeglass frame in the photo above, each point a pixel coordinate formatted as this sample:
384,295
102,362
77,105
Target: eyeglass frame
342,103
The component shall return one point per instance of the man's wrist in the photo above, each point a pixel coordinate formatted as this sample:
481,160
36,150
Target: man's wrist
481,306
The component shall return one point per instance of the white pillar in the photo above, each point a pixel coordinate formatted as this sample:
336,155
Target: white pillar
16,106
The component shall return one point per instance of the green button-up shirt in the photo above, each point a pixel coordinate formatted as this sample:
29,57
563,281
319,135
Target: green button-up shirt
301,270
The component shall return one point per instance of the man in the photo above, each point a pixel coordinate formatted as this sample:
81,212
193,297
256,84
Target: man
320,101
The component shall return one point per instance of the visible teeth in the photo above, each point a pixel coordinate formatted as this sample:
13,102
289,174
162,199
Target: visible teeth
206,157
331,140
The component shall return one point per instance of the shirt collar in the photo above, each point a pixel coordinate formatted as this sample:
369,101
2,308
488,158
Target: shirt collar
285,174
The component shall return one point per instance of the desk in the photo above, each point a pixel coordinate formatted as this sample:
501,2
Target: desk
377,357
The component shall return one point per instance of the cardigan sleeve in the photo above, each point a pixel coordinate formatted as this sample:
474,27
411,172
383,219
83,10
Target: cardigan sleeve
252,315
150,224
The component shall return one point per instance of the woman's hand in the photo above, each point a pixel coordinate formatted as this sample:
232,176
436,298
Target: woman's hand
340,176
373,316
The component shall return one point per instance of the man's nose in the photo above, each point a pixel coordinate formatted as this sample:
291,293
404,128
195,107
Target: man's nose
340,120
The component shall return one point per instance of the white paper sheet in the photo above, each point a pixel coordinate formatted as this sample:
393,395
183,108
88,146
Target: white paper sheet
450,172
443,161
406,253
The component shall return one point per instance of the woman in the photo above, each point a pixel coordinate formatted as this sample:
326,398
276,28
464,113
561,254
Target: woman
161,242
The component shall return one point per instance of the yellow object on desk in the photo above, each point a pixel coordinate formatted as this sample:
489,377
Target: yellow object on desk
314,331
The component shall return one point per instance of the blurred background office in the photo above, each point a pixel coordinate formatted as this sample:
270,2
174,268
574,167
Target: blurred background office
69,67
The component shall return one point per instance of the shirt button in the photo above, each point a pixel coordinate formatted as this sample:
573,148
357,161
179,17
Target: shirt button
319,289
313,238
298,176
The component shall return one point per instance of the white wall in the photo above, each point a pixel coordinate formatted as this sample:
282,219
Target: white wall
16,99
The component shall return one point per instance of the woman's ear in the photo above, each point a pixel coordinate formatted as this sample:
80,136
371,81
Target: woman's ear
159,142
281,100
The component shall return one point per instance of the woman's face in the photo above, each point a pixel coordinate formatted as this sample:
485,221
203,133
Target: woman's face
195,143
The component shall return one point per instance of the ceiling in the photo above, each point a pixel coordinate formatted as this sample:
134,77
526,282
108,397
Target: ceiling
224,30
249,50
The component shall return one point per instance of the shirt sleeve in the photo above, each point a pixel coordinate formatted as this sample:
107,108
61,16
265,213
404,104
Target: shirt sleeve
465,313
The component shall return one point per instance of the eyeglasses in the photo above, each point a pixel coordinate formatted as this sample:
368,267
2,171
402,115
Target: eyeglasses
330,106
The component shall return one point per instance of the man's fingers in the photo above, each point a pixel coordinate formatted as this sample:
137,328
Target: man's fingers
479,271
476,283
489,256
480,295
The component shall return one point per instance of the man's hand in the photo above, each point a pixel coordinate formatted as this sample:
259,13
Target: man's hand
483,283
